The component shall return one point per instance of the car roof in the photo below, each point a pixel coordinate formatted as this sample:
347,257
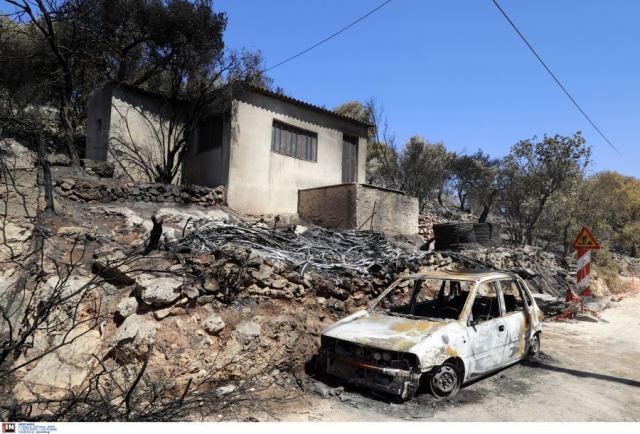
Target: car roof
468,275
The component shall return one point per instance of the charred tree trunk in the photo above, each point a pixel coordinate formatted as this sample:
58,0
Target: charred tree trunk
484,214
154,238
46,173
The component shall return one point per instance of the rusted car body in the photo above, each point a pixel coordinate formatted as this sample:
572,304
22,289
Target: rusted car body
443,328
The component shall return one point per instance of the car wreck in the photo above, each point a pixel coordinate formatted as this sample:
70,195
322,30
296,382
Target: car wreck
440,329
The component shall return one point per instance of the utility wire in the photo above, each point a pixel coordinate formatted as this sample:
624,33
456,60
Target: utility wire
555,78
328,37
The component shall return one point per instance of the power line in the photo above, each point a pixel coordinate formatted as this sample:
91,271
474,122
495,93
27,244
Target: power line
328,37
555,78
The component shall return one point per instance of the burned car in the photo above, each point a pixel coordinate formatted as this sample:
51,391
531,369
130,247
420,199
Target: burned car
440,328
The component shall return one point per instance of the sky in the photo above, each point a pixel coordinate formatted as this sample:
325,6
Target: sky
456,72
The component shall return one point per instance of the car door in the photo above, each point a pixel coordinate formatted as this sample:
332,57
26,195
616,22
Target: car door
515,319
486,330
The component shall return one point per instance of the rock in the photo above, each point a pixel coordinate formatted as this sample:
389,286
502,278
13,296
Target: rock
320,389
127,307
279,283
583,316
235,252
247,331
340,293
206,299
324,287
158,291
61,372
134,338
67,184
263,275
103,169
177,311
213,324
190,292
71,231
211,285
162,313
58,160
299,229
225,390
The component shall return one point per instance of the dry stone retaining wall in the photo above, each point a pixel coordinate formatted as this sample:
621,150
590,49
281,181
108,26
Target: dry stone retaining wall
94,190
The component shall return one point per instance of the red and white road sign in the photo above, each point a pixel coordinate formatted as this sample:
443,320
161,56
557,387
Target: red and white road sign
584,243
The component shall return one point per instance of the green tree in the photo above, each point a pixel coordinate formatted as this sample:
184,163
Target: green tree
535,172
424,168
475,178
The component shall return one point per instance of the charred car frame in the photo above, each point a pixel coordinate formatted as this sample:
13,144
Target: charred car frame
442,328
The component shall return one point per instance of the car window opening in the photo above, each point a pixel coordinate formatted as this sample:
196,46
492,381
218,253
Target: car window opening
436,299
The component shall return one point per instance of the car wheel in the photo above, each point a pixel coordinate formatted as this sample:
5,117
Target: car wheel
445,380
534,345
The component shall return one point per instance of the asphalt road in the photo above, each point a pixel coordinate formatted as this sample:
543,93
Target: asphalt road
585,372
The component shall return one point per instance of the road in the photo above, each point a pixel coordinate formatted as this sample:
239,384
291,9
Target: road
586,372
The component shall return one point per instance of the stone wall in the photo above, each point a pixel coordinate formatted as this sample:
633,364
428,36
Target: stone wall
96,190
358,206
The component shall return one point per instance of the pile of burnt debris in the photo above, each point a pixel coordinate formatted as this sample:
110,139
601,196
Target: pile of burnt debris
346,268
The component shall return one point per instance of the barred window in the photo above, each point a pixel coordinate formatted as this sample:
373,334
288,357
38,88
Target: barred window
294,142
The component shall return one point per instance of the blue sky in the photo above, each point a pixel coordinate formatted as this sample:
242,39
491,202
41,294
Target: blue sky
455,71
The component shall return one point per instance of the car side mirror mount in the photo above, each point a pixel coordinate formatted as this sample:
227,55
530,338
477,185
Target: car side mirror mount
471,321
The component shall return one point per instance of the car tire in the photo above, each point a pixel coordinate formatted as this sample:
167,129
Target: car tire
534,345
445,380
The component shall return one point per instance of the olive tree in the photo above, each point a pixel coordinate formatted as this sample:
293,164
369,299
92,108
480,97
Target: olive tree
535,172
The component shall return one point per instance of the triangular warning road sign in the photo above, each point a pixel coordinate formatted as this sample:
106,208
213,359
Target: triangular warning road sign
585,240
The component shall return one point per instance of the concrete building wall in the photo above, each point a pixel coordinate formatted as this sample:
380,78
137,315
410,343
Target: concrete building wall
209,168
264,182
352,206
140,133
98,124
393,212
331,207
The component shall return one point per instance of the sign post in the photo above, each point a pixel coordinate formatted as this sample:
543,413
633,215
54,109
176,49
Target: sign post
584,243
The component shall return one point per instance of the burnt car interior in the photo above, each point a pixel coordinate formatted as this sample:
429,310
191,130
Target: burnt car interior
435,299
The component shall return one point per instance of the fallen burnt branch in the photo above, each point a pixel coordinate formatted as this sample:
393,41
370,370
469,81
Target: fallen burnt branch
318,248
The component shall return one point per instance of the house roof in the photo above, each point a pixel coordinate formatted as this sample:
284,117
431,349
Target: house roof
269,93
304,104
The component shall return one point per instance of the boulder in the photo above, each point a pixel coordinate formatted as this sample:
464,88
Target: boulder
134,338
214,324
61,372
158,290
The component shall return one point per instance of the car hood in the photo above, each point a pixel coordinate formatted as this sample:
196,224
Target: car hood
383,331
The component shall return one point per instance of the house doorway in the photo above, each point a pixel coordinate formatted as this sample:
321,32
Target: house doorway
349,159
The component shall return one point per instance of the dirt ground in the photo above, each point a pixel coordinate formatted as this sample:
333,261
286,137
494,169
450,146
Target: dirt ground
586,372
